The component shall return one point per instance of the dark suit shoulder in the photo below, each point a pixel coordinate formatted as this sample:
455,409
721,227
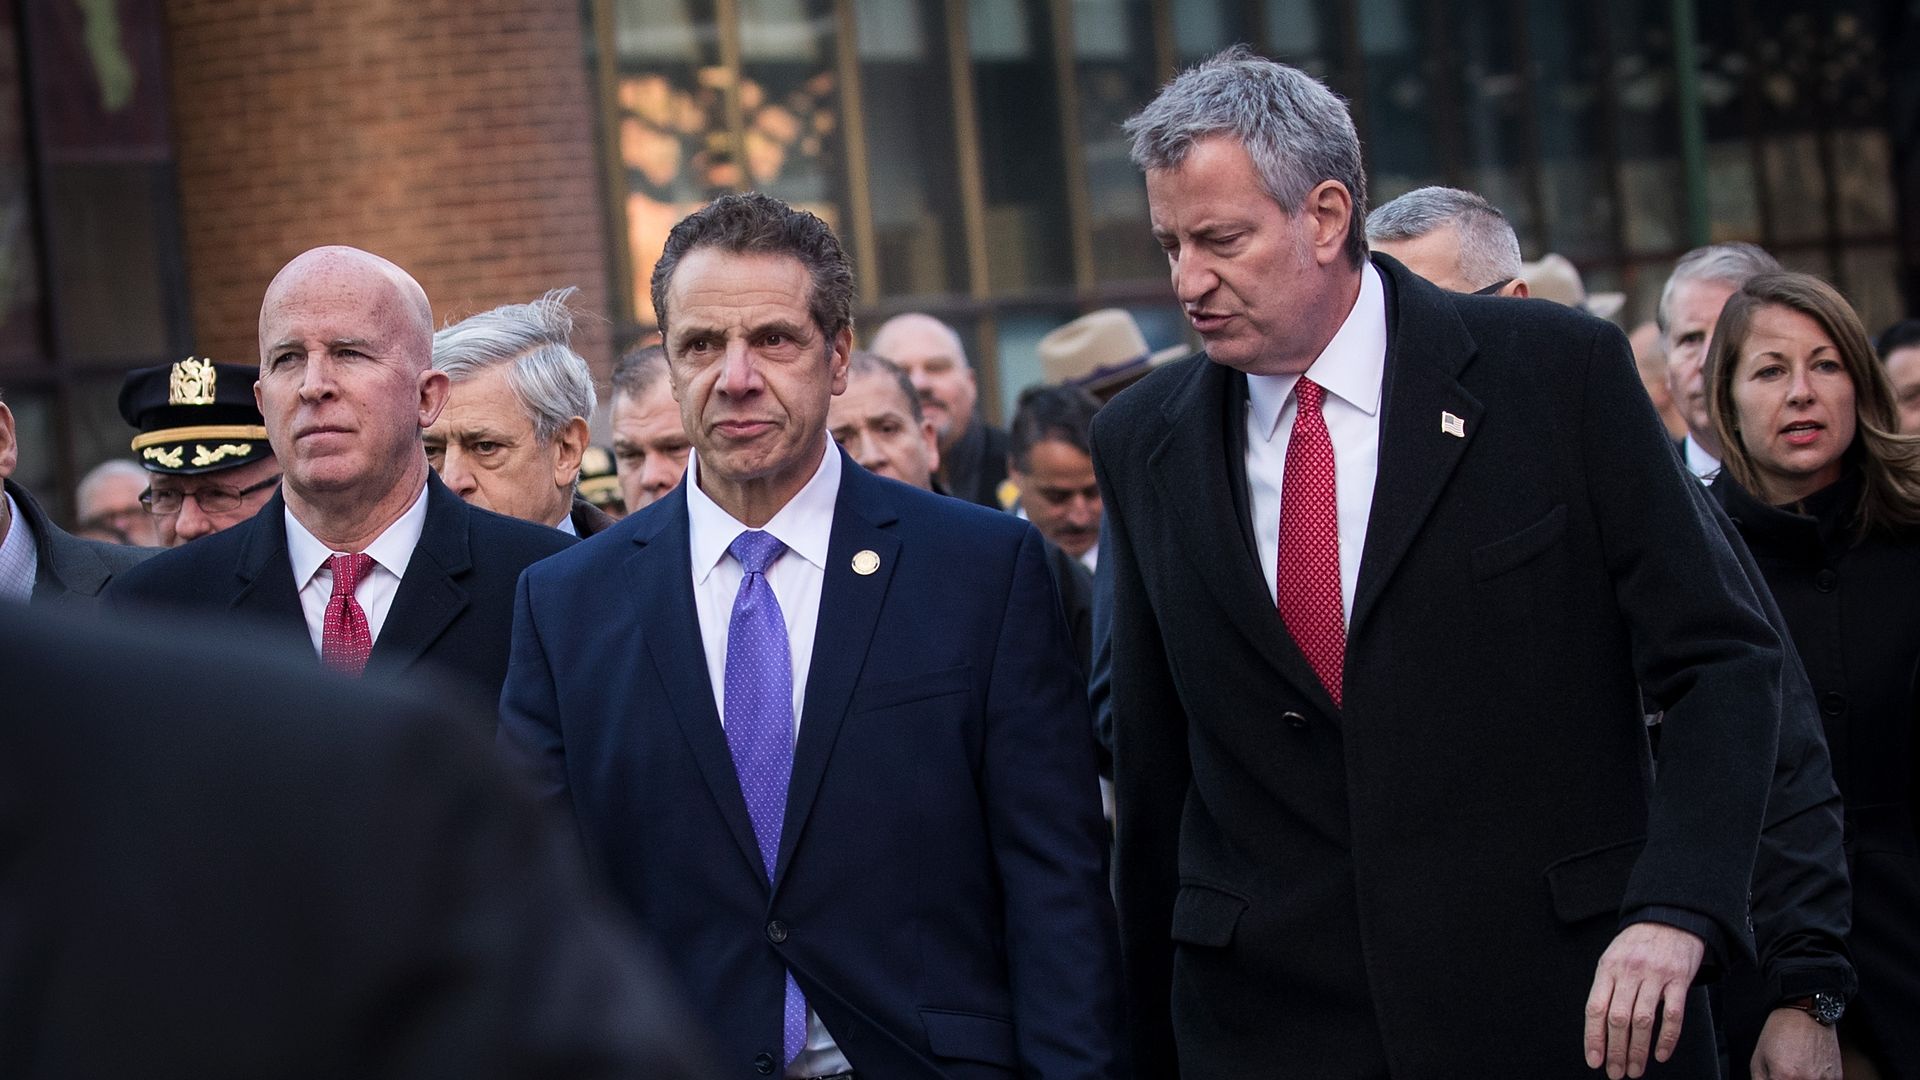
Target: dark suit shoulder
1145,399
183,575
497,536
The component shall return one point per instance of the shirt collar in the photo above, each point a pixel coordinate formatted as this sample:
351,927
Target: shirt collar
1350,367
804,525
1699,462
392,549
566,525
19,558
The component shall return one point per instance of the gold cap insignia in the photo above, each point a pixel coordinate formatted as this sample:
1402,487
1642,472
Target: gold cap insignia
191,382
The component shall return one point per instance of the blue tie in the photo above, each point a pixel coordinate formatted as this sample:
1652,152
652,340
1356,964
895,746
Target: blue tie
759,721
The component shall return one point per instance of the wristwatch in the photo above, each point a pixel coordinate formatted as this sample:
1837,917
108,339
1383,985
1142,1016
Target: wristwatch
1825,1008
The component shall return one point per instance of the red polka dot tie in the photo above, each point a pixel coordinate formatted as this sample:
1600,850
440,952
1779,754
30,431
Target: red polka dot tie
345,640
1309,571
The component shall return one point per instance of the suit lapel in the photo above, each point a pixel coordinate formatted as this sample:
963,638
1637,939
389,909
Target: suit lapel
1419,446
430,595
660,578
66,564
1191,471
263,585
850,605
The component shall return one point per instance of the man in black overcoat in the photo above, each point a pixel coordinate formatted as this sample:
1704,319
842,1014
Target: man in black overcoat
1391,567
346,388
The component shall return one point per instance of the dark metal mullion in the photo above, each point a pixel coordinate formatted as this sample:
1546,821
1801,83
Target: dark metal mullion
1531,144
1829,167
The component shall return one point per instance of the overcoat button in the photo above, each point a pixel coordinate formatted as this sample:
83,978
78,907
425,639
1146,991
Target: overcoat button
763,1064
1293,720
776,931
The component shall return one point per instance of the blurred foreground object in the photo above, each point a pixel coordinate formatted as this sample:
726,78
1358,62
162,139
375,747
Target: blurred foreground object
310,878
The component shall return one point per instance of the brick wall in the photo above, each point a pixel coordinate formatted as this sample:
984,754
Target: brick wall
455,137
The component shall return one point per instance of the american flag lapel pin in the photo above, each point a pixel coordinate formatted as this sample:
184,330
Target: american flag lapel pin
1453,425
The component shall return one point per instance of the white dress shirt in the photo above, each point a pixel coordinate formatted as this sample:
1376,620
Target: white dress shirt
391,552
804,525
1091,559
1699,462
19,558
566,525
1350,369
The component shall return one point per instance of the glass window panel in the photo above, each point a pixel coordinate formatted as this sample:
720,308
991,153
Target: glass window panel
1578,211
670,116
1493,107
1652,183
906,102
1797,187
1019,349
1872,282
1021,148
1865,161
1113,70
790,104
1400,103
1733,194
1163,325
1808,259
1204,27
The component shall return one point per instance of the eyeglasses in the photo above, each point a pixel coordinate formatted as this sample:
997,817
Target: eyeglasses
212,500
1494,288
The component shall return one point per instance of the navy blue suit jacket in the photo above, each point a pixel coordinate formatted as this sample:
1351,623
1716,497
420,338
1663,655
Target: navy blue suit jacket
941,891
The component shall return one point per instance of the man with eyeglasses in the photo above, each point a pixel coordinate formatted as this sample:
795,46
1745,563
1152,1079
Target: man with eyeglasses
204,446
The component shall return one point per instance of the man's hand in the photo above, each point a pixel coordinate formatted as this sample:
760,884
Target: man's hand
1794,1047
1643,977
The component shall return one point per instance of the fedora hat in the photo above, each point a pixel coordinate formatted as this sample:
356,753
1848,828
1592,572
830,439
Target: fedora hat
1554,278
1101,352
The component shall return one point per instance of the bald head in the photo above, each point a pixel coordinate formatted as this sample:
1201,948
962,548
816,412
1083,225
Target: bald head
337,274
931,354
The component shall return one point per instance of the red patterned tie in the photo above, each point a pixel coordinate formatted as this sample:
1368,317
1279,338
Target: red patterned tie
345,640
1309,571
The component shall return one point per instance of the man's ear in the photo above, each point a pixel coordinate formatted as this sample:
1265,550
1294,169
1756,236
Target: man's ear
435,389
1516,288
9,449
1329,206
931,436
570,445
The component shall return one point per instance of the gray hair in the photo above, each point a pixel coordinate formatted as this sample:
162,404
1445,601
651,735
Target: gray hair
639,370
1489,251
1732,264
1297,131
101,473
550,380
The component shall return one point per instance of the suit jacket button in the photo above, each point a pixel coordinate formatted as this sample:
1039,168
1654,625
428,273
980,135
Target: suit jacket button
1293,720
763,1064
776,931
1825,580
1833,703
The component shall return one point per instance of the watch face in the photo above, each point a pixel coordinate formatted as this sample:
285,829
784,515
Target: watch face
1827,1008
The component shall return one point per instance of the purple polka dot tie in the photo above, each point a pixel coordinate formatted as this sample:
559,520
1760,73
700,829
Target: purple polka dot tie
759,720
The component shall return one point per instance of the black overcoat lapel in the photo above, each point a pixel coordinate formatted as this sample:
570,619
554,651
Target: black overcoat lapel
430,595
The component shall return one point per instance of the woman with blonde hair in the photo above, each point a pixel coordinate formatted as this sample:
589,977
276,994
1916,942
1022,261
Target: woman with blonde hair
1826,494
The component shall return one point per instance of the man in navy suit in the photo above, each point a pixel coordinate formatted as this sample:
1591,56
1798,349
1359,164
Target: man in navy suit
847,777
364,557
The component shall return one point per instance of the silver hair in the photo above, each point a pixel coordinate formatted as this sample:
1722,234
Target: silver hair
551,381
1489,251
103,472
1297,131
1732,264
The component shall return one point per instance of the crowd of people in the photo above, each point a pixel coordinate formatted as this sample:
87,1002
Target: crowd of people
1420,681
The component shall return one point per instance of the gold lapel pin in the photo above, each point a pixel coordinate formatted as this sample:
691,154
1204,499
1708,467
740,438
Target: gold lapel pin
865,562
1453,425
